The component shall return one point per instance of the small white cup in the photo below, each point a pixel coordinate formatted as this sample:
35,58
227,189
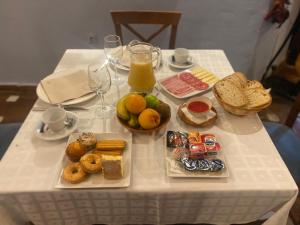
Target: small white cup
55,117
181,55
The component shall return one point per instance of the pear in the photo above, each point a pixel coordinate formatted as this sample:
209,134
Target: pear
121,109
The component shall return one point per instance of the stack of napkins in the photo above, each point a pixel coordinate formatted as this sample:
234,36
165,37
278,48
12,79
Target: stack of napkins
66,85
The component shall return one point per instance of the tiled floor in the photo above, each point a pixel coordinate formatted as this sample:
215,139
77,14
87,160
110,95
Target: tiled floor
16,102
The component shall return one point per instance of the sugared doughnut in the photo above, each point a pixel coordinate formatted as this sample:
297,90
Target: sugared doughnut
74,173
91,163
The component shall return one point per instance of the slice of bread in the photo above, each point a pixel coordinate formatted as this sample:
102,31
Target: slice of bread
230,93
238,79
253,84
257,98
242,77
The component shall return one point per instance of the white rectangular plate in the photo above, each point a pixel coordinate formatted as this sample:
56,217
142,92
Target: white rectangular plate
175,170
97,180
195,92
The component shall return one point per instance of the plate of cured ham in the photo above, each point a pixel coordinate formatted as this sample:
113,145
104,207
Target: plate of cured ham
189,82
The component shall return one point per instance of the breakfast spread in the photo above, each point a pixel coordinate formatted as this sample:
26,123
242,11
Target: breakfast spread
189,82
140,112
92,156
240,96
195,151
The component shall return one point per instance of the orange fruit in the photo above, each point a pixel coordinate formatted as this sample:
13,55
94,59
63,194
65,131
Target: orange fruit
149,119
135,103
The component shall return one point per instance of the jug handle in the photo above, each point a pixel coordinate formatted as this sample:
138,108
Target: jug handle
158,61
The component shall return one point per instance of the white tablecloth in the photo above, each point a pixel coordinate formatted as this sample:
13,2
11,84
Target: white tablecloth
259,181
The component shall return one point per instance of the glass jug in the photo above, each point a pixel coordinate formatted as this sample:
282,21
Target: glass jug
141,75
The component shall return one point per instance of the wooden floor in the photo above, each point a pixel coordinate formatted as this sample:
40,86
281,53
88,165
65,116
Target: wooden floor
16,102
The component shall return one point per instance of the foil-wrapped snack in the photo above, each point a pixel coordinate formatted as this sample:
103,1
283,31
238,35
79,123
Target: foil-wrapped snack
177,139
217,165
202,164
179,153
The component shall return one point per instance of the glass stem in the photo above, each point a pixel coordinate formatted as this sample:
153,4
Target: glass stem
115,70
102,101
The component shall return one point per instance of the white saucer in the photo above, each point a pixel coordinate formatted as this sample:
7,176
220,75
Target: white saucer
173,64
49,135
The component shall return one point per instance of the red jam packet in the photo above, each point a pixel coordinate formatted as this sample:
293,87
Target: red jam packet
202,145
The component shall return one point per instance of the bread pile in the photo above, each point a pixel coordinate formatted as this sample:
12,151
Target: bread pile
240,96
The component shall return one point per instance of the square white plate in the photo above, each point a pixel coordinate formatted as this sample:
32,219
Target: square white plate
194,92
174,168
97,180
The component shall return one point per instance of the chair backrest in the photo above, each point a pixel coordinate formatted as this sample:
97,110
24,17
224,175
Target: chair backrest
293,112
125,18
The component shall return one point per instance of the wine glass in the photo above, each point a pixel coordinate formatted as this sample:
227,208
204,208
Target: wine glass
113,50
100,82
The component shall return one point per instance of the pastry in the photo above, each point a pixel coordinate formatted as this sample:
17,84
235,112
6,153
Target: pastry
75,151
91,163
111,145
73,173
112,167
112,152
88,140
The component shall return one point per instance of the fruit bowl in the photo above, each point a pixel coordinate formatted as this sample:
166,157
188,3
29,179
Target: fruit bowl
152,116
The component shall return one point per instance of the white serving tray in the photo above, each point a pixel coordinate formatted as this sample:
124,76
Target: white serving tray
97,180
195,92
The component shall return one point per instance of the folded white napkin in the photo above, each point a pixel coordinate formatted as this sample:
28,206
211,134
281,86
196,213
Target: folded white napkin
66,85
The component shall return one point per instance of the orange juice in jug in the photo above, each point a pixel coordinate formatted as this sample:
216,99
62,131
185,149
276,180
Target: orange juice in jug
141,76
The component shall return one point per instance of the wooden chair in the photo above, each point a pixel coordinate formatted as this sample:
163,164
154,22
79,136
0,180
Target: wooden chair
165,19
287,144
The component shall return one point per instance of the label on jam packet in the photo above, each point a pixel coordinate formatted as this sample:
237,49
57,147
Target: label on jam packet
177,139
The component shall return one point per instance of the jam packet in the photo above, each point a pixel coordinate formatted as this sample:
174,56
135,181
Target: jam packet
177,139
201,145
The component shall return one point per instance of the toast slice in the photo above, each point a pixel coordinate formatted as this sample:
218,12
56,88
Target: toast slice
230,94
257,98
238,79
253,84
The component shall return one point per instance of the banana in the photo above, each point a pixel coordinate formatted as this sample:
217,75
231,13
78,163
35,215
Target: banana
133,122
121,109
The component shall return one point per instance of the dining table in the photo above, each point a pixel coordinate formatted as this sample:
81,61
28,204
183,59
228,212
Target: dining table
258,187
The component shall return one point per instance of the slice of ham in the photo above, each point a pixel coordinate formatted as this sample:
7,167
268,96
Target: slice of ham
183,84
193,81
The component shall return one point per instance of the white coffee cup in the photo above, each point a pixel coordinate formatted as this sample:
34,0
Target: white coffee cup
55,117
181,55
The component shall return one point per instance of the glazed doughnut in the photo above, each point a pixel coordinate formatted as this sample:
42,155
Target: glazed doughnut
91,163
74,173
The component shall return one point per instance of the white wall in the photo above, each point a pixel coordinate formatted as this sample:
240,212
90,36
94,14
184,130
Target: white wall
35,33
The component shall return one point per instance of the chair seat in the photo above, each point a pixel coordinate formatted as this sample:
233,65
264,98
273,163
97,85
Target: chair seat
7,133
287,144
